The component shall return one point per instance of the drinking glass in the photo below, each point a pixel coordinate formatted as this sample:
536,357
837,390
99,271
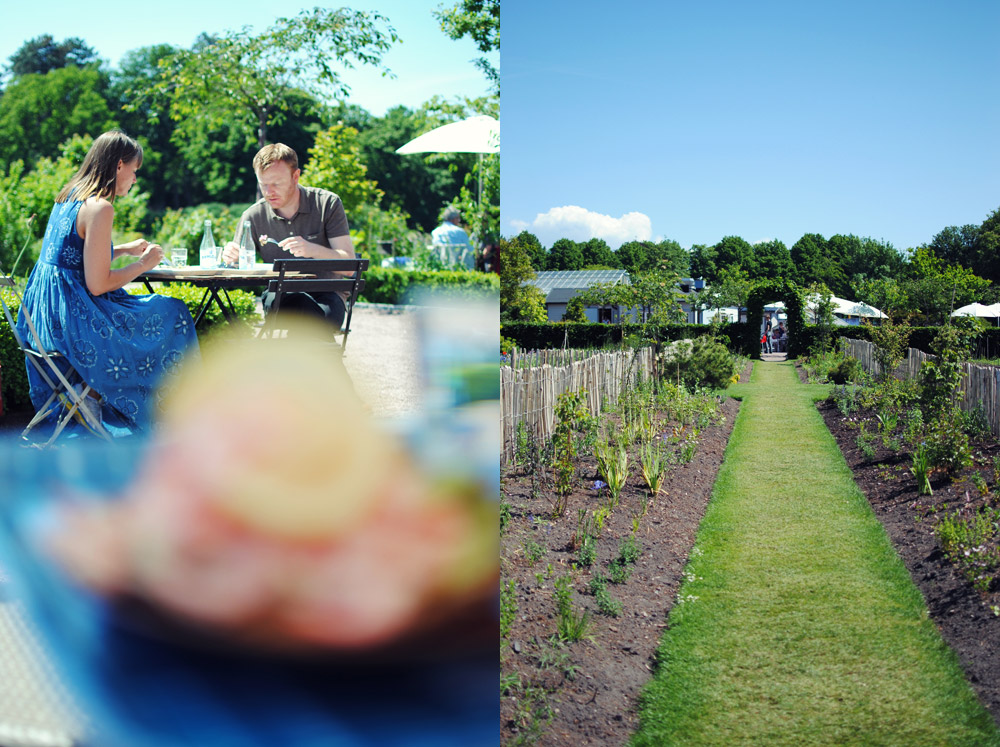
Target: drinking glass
178,257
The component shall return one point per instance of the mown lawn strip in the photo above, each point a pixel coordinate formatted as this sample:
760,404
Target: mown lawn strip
799,623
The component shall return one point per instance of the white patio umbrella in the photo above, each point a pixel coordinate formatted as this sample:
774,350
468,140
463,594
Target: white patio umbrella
978,309
479,134
861,309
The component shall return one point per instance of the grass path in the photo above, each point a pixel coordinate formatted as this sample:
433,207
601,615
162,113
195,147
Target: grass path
798,623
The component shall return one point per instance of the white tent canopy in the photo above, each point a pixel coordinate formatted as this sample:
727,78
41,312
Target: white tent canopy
480,134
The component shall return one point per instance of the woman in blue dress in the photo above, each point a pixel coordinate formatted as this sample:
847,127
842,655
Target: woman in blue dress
120,344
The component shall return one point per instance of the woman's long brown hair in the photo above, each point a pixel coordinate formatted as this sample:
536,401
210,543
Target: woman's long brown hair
98,174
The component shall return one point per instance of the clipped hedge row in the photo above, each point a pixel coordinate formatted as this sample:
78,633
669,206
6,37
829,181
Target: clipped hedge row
593,335
392,286
541,336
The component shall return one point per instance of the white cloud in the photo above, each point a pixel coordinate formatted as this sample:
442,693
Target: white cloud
579,224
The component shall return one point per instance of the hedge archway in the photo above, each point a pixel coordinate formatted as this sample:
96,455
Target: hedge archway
765,292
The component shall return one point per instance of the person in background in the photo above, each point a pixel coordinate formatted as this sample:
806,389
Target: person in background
451,241
120,344
766,340
782,338
290,220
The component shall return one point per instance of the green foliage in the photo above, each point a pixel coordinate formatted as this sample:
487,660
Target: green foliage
605,603
335,163
890,339
12,369
762,292
39,112
967,542
941,379
246,80
573,625
699,362
185,227
947,445
922,469
480,21
519,300
845,371
575,311
401,286
508,607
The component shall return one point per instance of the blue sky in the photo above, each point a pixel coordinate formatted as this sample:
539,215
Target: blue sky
426,62
692,121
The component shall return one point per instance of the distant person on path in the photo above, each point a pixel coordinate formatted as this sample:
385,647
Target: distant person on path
305,222
122,345
782,338
767,333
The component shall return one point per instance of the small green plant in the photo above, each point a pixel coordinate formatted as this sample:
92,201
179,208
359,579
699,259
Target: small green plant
921,470
865,444
845,400
587,553
533,552
508,607
948,445
968,544
844,372
504,516
654,467
617,474
980,482
975,423
573,625
522,444
605,603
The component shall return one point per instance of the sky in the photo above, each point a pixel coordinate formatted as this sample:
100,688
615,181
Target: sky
426,62
692,121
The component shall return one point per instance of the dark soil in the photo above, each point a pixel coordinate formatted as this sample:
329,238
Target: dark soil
586,692
963,614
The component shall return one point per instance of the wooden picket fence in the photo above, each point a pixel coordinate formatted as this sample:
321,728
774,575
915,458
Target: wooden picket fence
528,394
980,385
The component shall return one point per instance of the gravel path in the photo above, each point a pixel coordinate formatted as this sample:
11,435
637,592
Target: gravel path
382,358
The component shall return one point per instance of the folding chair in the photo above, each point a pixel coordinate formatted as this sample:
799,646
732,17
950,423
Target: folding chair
314,276
56,372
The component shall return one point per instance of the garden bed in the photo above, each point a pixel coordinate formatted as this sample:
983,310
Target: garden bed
969,619
585,692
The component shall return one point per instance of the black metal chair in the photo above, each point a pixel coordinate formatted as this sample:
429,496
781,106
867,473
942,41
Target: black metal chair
316,276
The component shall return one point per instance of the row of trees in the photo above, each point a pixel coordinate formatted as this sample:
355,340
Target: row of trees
201,114
957,267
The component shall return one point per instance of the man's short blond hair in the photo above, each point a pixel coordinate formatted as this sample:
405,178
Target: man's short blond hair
273,153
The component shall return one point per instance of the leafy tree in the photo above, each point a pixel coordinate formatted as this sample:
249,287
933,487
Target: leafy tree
670,256
597,253
418,186
886,294
733,250
565,254
575,310
988,248
936,289
519,300
246,80
704,262
732,288
957,245
42,55
770,259
480,21
814,263
28,129
335,164
534,248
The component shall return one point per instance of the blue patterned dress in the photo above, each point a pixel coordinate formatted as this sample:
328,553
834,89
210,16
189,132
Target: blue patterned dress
122,345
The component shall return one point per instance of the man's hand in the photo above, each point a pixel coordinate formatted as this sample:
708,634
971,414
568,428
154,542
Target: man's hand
231,253
298,247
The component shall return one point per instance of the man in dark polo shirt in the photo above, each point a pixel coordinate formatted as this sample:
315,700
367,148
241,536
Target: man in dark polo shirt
297,221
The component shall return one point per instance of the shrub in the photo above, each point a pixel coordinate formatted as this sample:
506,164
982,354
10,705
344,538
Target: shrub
12,369
844,372
244,303
393,286
700,362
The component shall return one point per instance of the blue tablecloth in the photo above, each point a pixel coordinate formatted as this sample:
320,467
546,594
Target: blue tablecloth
140,691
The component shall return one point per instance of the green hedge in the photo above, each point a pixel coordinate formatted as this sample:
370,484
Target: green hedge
392,286
534,336
593,335
12,371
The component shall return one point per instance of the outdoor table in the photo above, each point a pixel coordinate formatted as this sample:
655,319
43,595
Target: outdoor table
213,280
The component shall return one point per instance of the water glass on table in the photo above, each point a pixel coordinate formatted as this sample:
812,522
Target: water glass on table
178,257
